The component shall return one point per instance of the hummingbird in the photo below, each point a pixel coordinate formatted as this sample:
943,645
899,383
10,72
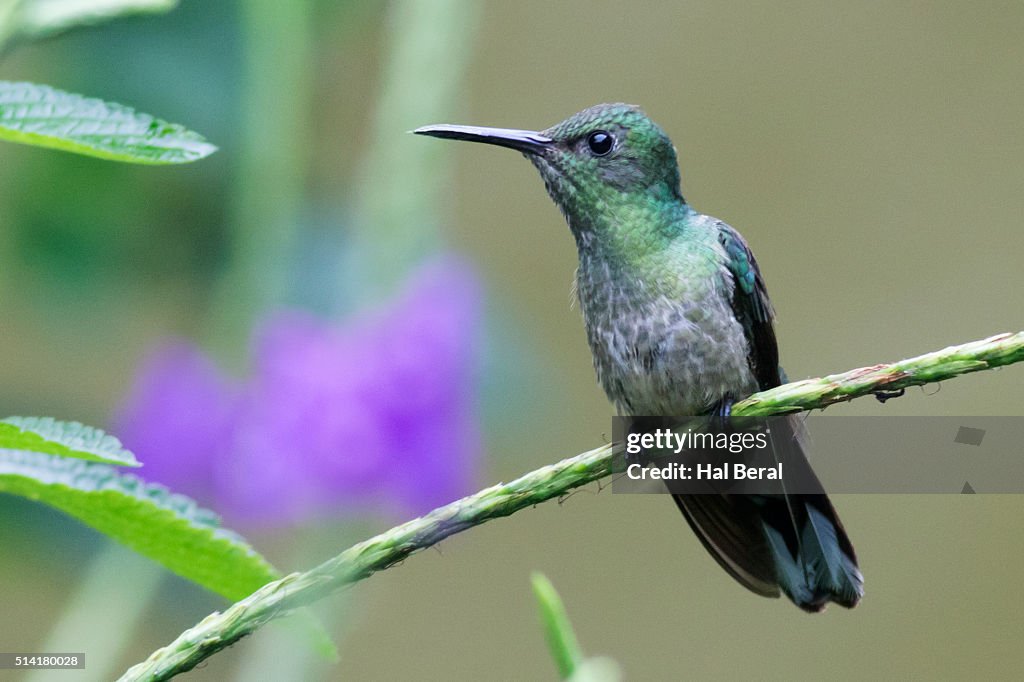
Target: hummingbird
679,322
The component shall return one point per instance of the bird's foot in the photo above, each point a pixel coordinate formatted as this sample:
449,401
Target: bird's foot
721,411
723,408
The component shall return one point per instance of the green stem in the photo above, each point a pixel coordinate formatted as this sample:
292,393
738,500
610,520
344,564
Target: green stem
402,180
276,599
114,592
950,362
272,161
9,14
565,648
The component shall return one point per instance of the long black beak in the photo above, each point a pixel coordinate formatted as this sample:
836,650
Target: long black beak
526,141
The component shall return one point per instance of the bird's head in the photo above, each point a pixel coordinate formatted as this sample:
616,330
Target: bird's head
599,165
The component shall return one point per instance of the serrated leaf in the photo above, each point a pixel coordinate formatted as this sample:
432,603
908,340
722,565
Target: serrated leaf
66,439
45,117
45,17
168,528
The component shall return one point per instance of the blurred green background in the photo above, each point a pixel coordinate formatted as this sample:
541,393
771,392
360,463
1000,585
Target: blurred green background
871,153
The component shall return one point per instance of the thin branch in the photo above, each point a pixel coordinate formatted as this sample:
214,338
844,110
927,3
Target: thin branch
219,630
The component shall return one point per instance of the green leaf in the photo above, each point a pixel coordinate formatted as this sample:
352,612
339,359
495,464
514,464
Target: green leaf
557,628
42,116
36,18
66,439
168,528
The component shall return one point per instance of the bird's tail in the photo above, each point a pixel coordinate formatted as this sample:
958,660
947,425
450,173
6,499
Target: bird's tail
794,544
814,560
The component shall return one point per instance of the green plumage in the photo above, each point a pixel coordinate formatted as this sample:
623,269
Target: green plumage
679,323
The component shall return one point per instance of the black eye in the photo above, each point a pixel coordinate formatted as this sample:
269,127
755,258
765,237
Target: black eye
600,142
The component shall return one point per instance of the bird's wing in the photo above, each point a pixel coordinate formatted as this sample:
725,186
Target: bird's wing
752,307
731,527
771,543
731,531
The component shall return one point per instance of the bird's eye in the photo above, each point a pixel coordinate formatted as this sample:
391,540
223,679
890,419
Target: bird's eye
600,142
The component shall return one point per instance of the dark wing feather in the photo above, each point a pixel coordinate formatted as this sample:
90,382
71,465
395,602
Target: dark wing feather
730,530
752,308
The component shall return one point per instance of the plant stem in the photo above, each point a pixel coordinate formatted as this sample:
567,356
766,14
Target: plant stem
565,648
276,599
115,589
272,155
399,208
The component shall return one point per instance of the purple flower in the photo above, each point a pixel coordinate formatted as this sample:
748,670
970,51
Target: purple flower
377,413
179,412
